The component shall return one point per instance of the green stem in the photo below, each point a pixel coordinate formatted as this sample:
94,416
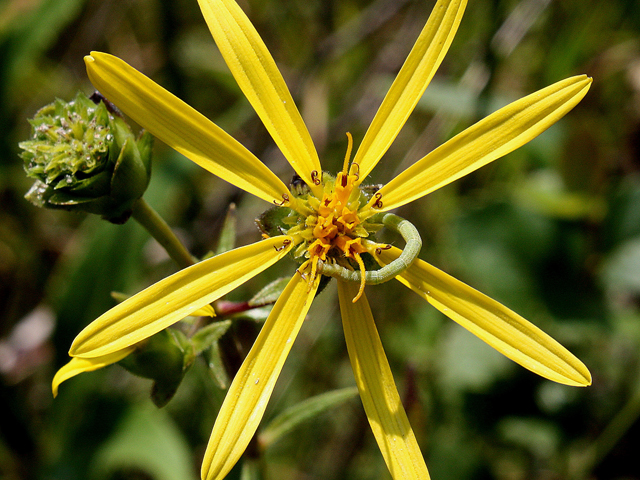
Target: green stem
158,228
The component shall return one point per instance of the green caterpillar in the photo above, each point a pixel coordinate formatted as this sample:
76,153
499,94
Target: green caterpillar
399,265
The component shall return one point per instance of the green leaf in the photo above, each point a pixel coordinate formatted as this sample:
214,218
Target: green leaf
207,336
270,293
227,240
216,366
302,412
258,315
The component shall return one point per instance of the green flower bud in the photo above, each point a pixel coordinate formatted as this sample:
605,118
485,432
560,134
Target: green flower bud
84,157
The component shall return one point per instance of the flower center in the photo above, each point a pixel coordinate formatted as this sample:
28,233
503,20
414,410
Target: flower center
331,233
326,230
334,229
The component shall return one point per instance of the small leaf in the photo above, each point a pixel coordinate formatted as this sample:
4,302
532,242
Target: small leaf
270,293
258,315
227,240
302,412
209,335
216,366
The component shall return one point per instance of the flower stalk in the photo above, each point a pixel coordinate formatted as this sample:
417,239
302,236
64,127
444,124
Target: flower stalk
146,216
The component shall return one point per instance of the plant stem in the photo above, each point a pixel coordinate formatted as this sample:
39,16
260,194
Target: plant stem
146,216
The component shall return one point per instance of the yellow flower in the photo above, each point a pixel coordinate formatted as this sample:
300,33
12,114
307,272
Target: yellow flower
326,223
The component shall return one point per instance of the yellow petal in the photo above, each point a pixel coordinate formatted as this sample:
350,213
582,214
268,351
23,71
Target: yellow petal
378,391
81,365
181,127
491,138
503,329
206,311
411,82
259,78
249,393
175,297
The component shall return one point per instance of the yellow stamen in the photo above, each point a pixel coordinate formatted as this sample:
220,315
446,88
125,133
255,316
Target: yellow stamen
298,206
303,267
319,249
347,157
314,269
363,272
354,170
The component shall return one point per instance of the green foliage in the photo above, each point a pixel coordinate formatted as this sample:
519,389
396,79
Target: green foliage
207,336
227,239
206,341
270,293
302,412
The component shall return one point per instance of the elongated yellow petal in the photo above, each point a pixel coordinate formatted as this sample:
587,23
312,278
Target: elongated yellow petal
206,311
249,393
411,82
175,297
181,127
378,391
491,138
504,330
77,366
259,78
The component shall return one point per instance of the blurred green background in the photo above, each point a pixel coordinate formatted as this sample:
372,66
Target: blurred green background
552,231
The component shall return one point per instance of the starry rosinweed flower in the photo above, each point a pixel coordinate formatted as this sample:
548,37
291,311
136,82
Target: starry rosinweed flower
328,223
